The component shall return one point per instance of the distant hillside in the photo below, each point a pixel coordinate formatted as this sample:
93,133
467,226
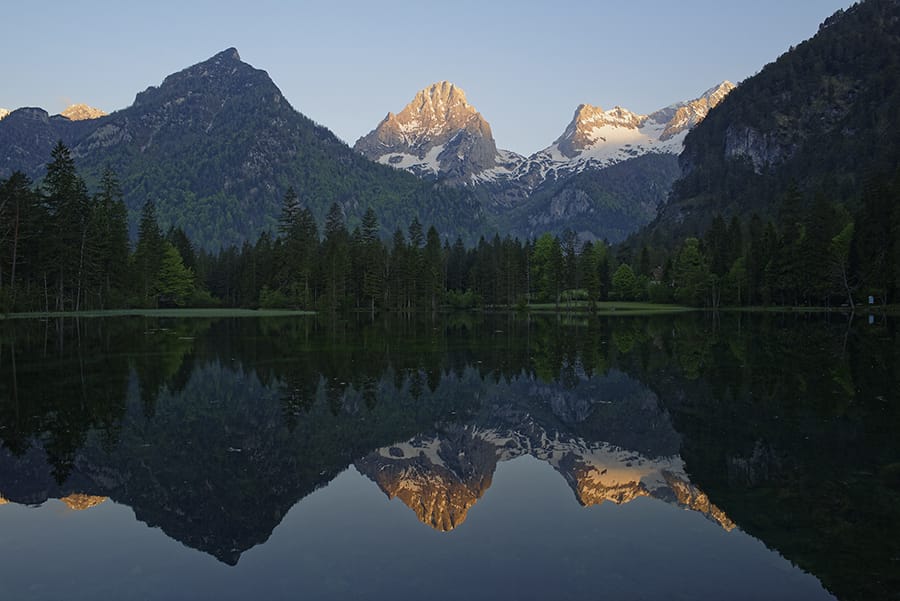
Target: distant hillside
824,117
216,146
608,203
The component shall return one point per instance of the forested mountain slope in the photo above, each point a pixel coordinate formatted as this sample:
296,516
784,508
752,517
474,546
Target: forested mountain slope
822,119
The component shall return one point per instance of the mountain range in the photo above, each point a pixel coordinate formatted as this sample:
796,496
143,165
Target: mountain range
217,145
440,134
603,177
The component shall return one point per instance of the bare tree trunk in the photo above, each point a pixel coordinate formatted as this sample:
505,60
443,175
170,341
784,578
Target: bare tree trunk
845,280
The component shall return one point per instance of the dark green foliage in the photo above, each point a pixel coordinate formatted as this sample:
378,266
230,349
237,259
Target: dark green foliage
624,284
546,266
821,256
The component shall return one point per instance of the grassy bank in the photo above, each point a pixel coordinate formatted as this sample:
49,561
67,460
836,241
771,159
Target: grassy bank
161,313
609,308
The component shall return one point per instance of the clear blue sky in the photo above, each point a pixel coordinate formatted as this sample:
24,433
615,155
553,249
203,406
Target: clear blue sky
524,65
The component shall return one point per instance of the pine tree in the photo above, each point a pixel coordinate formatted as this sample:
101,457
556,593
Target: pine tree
148,254
298,253
111,230
69,209
373,259
20,219
433,268
396,272
335,258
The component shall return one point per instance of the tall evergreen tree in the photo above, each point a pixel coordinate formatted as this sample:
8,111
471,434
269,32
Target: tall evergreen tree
69,209
20,220
148,254
373,260
335,258
433,268
111,230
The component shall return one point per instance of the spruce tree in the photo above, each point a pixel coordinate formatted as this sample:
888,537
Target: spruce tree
69,209
335,258
372,259
148,254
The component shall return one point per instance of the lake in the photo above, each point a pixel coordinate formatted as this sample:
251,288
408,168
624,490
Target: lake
690,456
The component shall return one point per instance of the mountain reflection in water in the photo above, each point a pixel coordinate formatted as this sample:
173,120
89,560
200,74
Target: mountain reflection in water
214,429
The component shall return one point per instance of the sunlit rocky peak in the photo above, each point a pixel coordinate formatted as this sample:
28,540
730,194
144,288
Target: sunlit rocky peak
82,112
693,112
80,502
437,134
440,479
4,113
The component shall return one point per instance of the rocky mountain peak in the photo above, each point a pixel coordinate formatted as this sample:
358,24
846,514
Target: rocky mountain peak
442,100
4,113
437,134
690,113
220,76
82,112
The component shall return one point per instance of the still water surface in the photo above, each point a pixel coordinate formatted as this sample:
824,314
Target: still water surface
670,457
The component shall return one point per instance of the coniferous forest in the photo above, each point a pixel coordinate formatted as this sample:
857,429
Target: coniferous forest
64,247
